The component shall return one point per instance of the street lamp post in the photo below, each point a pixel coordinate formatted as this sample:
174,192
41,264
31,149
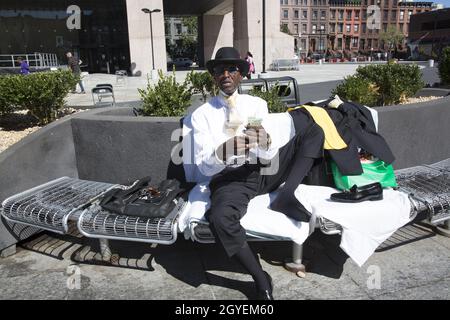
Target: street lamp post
145,10
321,44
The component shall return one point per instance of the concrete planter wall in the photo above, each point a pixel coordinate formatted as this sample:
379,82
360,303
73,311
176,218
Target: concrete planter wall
111,145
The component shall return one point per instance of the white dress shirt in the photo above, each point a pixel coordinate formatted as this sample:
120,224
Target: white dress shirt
210,131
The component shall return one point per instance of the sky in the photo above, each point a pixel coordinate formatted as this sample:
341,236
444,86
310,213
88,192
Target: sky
446,3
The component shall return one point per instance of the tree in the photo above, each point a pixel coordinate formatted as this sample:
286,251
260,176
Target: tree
191,23
284,28
392,37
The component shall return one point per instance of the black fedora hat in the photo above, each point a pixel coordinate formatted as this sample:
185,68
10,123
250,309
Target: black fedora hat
228,55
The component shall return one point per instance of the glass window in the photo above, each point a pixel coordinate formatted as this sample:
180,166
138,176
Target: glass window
296,14
333,14
349,14
393,14
341,14
314,15
340,27
314,28
354,42
303,44
339,43
385,14
323,14
348,27
101,39
356,27
357,14
363,28
178,27
402,14
332,27
305,14
285,14
295,28
304,26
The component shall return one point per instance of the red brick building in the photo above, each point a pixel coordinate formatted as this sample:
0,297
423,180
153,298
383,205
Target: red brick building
349,26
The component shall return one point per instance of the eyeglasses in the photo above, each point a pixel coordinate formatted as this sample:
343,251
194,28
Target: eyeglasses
219,70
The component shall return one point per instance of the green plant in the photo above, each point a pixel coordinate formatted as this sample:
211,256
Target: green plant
203,82
355,88
379,85
395,82
167,98
271,96
44,93
444,66
9,97
41,93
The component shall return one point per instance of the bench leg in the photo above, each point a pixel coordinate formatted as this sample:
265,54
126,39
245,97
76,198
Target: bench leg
296,264
444,230
8,252
105,250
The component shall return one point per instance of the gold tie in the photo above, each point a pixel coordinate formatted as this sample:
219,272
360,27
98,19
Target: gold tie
234,120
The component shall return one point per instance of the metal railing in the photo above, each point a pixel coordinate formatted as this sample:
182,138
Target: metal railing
37,60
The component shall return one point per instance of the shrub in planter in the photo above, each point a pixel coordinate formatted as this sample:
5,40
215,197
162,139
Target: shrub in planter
355,88
167,98
272,97
203,82
444,66
9,97
395,82
44,93
41,93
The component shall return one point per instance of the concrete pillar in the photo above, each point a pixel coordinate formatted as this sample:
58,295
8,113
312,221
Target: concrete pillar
248,32
139,36
217,33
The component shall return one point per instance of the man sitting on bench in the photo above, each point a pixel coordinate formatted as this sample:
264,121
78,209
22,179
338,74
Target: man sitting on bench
235,156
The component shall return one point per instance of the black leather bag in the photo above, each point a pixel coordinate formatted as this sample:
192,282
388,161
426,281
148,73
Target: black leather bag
144,200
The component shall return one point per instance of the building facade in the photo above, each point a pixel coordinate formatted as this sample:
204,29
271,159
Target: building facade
110,35
429,33
348,26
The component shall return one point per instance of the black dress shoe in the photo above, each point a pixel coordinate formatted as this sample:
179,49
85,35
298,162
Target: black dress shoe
266,294
373,191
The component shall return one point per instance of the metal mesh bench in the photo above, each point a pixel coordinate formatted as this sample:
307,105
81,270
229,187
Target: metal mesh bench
97,223
49,206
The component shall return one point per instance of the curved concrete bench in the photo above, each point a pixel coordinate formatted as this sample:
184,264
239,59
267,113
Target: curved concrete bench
112,145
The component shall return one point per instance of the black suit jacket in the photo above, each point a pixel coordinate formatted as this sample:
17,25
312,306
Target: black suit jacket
355,124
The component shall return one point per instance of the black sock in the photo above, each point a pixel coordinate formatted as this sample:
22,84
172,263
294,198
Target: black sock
248,260
286,202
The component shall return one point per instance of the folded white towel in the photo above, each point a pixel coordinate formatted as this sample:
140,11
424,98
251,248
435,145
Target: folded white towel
365,224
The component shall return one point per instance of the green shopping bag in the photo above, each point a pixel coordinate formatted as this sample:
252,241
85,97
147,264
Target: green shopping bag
377,171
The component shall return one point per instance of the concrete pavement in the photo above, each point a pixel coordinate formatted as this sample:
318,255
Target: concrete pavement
54,267
315,81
